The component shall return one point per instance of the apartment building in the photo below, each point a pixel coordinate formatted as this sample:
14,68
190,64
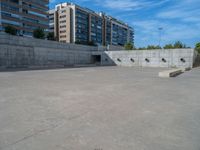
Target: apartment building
116,32
74,24
51,20
24,15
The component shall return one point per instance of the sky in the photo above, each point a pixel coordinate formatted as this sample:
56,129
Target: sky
179,19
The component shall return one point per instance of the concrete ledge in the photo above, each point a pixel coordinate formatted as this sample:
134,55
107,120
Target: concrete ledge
170,73
85,65
186,69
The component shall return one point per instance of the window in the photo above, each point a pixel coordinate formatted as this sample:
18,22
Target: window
64,16
63,21
6,6
14,1
63,31
63,11
63,26
63,36
25,11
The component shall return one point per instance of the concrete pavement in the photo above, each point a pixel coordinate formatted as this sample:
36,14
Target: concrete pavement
102,108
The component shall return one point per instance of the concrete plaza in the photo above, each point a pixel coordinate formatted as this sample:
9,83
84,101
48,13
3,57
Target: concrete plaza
99,108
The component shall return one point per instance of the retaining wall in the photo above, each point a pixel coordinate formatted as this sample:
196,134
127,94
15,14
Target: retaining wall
150,58
32,42
27,57
21,52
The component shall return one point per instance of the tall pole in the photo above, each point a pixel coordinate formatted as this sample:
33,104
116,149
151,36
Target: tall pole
160,35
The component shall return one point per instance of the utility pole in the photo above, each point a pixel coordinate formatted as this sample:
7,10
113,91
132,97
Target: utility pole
160,35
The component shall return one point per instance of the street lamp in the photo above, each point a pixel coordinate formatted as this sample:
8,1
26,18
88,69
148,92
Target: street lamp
160,35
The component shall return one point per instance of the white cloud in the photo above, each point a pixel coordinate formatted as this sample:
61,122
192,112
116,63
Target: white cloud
122,4
186,10
147,32
182,14
127,5
180,21
52,1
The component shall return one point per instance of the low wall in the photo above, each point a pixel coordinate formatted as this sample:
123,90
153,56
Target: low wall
150,58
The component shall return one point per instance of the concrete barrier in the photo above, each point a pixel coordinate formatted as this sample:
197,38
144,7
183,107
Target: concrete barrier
170,73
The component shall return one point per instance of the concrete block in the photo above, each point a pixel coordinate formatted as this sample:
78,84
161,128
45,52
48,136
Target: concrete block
185,69
170,73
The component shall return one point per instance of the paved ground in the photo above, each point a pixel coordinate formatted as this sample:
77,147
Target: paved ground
106,108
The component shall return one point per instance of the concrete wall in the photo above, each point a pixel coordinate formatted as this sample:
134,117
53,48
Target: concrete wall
113,48
196,59
27,57
19,52
150,58
31,42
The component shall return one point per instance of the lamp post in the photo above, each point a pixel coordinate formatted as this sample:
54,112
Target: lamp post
160,35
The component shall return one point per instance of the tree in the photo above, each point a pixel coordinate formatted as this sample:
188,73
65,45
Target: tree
77,42
179,44
39,33
142,48
168,46
11,30
92,43
50,36
197,47
134,48
149,47
128,46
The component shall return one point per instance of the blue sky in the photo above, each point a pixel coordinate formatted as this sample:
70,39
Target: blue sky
180,19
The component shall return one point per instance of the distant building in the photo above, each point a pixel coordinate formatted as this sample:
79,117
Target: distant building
117,32
74,24
24,15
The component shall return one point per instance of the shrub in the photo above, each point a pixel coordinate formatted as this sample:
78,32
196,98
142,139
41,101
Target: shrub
50,36
168,46
142,48
11,30
90,43
197,47
149,47
179,44
128,46
39,33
